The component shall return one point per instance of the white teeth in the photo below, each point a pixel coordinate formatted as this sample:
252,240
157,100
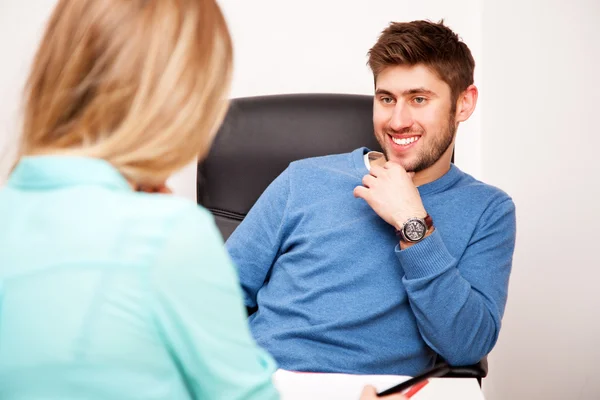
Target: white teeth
405,141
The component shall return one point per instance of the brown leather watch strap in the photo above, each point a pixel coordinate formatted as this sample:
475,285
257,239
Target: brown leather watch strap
428,221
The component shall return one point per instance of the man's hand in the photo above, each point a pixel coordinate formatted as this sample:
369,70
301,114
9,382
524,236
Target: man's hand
391,193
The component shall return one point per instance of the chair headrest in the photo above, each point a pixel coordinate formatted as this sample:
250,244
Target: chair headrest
262,135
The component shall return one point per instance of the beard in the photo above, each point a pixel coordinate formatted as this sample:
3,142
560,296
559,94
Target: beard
432,153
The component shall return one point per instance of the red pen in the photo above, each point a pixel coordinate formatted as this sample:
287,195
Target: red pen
415,388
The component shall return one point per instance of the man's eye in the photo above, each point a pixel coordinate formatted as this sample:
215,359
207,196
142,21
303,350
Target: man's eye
387,100
420,100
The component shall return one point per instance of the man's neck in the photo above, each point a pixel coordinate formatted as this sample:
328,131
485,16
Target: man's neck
431,174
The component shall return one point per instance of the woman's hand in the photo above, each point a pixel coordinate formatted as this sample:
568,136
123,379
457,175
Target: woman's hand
369,393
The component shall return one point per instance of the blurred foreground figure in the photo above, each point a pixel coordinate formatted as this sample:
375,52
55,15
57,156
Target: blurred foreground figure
108,292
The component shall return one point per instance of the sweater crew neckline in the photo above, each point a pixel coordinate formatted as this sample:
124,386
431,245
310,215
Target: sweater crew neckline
448,179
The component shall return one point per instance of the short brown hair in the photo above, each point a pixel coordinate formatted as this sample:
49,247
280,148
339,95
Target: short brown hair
142,84
424,42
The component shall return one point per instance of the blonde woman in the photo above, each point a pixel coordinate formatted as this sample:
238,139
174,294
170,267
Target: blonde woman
106,291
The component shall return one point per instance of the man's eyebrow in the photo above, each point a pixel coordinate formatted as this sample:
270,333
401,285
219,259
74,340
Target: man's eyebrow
420,90
384,92
408,92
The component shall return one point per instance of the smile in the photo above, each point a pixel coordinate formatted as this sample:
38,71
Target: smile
405,141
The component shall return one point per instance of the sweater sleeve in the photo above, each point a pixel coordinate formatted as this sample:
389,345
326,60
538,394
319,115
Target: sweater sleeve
459,303
198,309
256,242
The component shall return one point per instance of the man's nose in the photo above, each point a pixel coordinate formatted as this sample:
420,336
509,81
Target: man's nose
401,118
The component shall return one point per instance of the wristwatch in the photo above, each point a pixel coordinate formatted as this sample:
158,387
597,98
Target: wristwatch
415,229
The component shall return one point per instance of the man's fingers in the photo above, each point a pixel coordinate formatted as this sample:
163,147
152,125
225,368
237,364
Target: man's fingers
368,180
361,192
393,165
376,170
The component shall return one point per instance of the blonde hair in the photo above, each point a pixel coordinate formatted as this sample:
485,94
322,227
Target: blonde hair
142,84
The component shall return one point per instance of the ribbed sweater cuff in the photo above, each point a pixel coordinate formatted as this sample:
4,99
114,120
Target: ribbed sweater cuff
426,258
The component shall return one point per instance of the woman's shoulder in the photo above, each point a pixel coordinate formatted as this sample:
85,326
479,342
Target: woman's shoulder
160,207
158,222
192,246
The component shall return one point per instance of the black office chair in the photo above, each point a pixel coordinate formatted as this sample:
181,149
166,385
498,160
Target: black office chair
262,135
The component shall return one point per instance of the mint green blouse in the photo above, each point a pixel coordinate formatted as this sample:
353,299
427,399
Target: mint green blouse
106,293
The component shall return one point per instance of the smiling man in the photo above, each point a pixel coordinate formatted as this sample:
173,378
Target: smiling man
379,263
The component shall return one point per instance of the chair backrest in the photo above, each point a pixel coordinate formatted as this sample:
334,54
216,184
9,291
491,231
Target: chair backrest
262,135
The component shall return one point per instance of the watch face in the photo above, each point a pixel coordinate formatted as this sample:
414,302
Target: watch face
414,230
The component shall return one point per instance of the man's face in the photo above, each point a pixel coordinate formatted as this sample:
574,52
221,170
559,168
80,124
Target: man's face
413,117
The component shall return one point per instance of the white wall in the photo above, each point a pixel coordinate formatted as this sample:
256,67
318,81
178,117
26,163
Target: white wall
541,144
534,129
21,24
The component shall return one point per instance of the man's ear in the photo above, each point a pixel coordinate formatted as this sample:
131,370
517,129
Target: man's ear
465,105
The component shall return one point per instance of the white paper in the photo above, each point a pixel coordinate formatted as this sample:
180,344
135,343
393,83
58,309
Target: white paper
318,386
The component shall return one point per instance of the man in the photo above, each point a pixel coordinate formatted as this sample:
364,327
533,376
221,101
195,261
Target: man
376,263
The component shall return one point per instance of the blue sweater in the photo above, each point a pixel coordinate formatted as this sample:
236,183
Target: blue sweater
336,294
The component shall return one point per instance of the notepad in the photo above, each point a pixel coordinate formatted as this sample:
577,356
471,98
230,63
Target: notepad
319,386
